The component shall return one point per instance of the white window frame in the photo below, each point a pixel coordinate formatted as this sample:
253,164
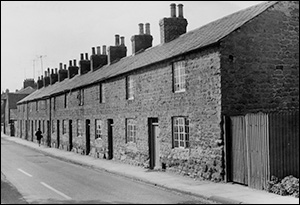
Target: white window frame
129,88
181,132
98,129
179,77
131,130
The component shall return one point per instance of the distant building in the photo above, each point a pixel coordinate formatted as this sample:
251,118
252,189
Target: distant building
209,103
9,101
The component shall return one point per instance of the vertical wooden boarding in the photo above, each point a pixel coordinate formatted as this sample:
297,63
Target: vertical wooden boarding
257,137
238,150
284,144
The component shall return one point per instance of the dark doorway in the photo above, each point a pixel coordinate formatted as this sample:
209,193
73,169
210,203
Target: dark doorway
87,136
48,134
110,124
153,143
57,146
32,132
70,135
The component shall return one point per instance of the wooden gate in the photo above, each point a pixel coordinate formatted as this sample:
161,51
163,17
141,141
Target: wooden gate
249,154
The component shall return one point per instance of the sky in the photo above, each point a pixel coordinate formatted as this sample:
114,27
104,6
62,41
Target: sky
36,35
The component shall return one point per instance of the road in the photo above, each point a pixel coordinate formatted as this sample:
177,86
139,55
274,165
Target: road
43,179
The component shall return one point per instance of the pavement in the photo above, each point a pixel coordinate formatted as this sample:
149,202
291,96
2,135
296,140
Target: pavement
224,193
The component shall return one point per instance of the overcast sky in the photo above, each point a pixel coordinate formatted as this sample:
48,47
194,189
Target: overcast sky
60,30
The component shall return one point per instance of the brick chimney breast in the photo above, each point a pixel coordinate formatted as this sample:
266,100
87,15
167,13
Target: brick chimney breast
172,27
98,60
84,64
47,78
72,69
142,41
53,76
118,51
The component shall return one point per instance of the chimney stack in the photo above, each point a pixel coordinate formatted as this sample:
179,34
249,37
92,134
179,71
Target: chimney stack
93,51
118,51
29,82
53,76
84,64
73,69
62,73
172,27
47,78
98,60
142,41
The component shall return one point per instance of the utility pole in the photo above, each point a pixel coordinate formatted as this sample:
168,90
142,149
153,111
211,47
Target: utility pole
41,57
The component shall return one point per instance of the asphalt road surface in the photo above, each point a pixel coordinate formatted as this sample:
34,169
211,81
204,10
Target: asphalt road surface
43,179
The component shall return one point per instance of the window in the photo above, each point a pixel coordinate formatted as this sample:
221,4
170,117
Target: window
79,128
129,88
80,97
98,129
101,93
53,127
64,131
131,130
180,132
179,76
37,105
44,126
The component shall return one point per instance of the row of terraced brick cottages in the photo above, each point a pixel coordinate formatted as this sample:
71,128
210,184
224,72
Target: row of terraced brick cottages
199,104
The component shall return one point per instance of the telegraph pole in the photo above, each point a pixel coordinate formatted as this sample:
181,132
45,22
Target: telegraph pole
33,68
41,57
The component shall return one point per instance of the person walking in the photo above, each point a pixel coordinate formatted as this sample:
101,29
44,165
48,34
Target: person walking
39,136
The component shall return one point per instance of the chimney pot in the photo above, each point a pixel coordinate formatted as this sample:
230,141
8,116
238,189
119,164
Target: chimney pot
86,56
48,70
52,71
141,27
147,28
60,66
70,62
81,56
55,70
65,66
173,10
45,73
98,50
39,78
122,40
117,37
93,51
74,61
103,50
180,10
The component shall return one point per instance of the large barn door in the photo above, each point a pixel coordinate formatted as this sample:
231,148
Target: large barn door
239,168
257,135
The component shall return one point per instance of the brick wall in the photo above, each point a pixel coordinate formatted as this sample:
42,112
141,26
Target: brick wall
260,63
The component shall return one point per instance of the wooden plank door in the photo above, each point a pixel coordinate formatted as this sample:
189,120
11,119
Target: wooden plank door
239,168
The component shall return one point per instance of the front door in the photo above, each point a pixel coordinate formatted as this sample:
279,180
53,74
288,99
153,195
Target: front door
57,146
154,162
110,124
48,134
87,136
70,136
32,131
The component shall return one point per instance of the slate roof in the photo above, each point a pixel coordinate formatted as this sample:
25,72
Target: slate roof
206,35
